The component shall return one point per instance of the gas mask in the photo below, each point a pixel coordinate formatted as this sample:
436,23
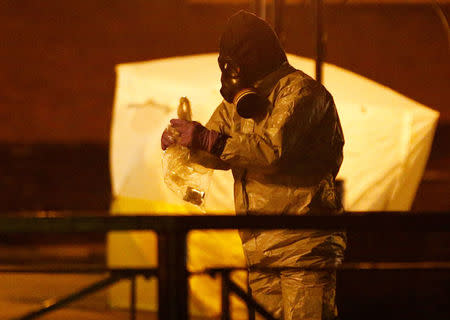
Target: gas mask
238,89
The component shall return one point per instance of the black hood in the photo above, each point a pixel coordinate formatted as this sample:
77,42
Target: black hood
251,43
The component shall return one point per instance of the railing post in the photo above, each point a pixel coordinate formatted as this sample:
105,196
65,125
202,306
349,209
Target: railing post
133,297
225,295
251,310
172,275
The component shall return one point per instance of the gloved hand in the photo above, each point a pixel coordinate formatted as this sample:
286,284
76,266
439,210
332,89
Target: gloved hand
168,138
195,136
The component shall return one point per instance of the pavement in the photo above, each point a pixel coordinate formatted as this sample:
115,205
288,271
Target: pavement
22,293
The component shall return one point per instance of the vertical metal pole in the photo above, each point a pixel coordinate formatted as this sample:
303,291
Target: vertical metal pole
225,295
172,275
317,7
278,6
133,297
259,7
251,310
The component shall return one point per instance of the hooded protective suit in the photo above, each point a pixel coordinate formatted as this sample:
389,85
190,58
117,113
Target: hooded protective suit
286,164
284,161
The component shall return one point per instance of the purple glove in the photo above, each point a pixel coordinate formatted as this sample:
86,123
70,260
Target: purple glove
195,136
168,138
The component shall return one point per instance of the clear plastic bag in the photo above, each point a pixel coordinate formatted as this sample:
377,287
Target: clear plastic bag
187,179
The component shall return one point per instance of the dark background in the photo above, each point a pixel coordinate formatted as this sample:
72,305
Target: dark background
57,82
57,57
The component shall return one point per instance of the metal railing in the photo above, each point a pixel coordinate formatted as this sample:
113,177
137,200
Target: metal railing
114,276
172,233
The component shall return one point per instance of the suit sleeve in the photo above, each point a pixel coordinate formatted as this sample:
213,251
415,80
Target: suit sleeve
220,122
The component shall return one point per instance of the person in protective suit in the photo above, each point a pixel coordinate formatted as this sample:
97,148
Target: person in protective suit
279,132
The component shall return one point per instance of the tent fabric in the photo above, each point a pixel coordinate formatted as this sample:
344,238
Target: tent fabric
388,140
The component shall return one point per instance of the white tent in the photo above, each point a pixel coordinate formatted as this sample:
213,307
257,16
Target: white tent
388,139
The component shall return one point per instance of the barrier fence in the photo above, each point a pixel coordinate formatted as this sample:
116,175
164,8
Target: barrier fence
172,233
